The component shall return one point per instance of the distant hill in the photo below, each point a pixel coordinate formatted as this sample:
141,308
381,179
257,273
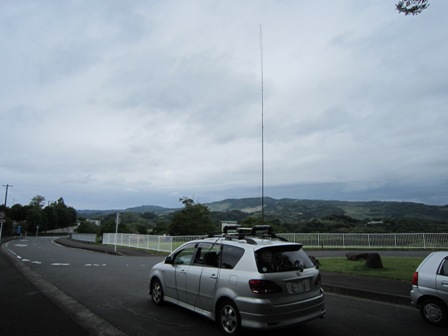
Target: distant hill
293,210
150,208
139,209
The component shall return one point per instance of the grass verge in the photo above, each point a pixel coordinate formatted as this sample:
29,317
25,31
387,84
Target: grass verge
399,268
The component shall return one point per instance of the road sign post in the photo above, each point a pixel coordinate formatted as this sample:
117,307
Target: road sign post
117,221
2,220
1,227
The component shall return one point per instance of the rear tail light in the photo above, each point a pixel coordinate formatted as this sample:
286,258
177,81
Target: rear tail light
318,280
264,287
415,279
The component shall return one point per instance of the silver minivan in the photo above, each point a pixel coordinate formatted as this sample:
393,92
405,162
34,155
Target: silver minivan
241,281
430,288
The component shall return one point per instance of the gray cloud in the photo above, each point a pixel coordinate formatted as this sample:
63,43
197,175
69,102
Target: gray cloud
114,104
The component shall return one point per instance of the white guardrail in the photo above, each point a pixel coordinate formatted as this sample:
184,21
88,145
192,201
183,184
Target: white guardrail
310,240
85,237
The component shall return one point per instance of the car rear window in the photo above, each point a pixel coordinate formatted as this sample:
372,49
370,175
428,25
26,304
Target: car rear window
282,259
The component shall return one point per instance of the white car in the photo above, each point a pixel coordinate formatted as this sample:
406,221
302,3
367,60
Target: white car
247,280
430,288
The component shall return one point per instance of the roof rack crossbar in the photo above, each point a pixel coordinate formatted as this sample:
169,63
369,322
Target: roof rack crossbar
238,232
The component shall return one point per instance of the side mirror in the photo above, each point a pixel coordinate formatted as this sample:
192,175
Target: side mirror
168,260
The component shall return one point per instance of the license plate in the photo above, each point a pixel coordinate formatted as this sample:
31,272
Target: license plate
299,286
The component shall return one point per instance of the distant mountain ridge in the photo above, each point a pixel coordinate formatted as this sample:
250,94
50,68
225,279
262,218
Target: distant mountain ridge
292,210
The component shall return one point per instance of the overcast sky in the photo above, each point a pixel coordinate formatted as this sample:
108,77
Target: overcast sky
115,103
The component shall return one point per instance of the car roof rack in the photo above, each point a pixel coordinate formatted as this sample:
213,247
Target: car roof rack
257,231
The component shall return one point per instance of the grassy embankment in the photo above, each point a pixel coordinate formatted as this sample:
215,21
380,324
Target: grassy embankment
400,268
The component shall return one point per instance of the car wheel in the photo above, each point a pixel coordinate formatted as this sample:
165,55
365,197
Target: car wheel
434,312
228,318
157,292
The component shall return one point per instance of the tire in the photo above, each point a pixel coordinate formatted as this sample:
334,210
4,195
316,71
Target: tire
434,312
228,318
157,292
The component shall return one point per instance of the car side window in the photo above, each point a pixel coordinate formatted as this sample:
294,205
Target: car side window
230,256
185,256
208,255
444,267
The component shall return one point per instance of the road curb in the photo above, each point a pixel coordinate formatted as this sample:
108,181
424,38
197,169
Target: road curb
95,248
370,295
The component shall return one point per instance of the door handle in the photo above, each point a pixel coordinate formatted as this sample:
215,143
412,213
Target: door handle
213,276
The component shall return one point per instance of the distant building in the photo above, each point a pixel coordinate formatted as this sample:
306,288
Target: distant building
97,222
226,223
375,222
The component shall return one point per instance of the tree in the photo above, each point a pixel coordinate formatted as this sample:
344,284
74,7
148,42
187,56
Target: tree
38,201
66,215
86,227
109,226
18,212
36,220
52,218
160,228
251,221
141,229
193,219
35,216
412,7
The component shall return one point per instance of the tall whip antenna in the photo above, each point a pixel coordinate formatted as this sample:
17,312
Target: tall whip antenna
262,130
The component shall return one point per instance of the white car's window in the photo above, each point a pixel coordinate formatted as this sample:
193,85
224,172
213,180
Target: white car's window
230,256
444,267
185,256
208,254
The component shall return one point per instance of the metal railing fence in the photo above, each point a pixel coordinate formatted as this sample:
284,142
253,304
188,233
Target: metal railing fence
147,242
310,240
370,240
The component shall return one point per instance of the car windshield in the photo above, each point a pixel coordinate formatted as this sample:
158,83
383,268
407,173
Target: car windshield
282,259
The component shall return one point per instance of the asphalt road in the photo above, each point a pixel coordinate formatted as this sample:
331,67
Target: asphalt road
109,293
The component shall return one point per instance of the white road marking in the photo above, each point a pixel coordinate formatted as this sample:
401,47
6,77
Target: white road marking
32,261
60,264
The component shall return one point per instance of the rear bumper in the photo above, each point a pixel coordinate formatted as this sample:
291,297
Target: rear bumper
260,313
415,295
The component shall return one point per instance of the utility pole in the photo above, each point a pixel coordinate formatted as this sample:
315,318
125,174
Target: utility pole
6,194
3,214
262,130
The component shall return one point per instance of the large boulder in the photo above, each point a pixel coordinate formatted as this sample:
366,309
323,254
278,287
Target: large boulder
373,260
353,256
